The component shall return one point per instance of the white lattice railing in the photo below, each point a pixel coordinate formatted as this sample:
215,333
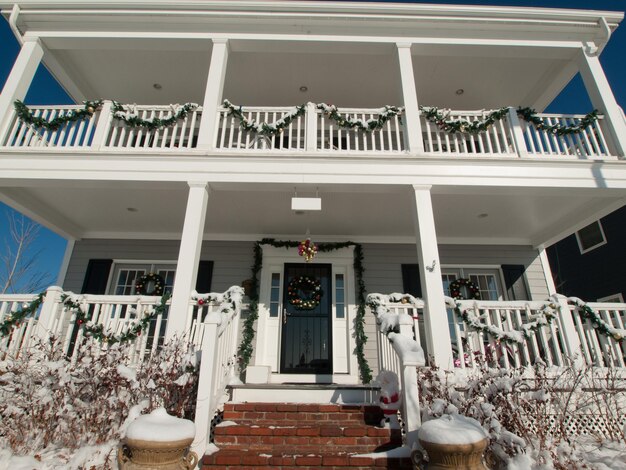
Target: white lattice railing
76,134
497,140
589,143
598,349
182,135
230,135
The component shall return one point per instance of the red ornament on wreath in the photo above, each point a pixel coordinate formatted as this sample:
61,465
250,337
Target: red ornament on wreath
304,293
458,284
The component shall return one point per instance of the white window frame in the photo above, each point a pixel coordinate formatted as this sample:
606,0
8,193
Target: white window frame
617,298
591,248
478,267
149,263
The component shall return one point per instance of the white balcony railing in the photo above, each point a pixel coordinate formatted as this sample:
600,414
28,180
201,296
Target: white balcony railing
311,133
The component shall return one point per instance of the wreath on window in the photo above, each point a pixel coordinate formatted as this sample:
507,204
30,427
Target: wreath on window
458,284
304,293
149,284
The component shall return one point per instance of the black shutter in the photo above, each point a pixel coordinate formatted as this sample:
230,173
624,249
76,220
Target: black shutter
411,283
515,282
97,276
205,276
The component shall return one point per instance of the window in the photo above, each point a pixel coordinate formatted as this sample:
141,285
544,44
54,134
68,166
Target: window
340,303
590,237
125,276
275,295
617,298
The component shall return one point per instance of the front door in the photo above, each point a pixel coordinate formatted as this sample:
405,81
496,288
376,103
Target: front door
306,346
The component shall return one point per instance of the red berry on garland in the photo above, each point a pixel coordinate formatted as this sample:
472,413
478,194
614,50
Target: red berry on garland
200,301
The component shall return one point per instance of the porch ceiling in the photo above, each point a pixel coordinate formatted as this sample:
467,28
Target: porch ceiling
271,73
249,212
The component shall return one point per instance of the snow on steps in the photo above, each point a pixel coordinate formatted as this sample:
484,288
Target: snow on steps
282,435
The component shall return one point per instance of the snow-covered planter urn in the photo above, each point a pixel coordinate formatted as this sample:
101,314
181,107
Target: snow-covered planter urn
454,442
158,441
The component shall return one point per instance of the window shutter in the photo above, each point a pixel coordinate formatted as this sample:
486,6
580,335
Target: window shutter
514,281
411,283
205,276
97,276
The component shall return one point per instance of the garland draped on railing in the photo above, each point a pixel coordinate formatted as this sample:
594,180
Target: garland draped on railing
264,128
436,116
14,320
27,117
245,348
83,320
129,116
543,317
587,313
369,125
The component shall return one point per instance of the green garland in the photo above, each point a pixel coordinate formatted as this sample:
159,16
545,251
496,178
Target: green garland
28,118
131,119
245,347
543,317
14,319
530,115
369,125
452,126
263,128
601,326
97,330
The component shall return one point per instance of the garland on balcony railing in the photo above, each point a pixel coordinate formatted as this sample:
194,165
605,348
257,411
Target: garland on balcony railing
601,326
370,125
245,348
83,320
14,319
128,114
452,126
543,317
264,128
27,117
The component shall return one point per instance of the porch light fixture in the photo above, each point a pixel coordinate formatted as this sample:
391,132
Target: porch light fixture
483,215
460,91
157,86
304,88
132,209
306,203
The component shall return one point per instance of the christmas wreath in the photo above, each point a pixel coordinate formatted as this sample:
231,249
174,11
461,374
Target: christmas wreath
304,293
455,289
149,284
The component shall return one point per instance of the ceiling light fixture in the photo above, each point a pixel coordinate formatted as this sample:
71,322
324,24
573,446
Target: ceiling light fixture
157,86
304,88
132,209
460,91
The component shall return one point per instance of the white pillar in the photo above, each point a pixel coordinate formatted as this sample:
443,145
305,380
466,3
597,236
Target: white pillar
20,78
435,314
411,116
213,94
188,258
603,100
547,272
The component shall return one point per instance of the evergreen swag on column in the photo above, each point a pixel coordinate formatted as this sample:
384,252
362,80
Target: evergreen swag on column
245,348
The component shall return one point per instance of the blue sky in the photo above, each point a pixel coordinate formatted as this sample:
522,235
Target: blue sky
573,99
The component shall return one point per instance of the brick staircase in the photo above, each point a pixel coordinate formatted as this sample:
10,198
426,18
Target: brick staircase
299,436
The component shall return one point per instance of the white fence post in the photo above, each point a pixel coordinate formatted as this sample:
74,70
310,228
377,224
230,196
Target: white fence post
517,134
571,338
103,126
47,315
410,402
311,128
208,368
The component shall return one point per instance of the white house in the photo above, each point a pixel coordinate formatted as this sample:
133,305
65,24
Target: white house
416,204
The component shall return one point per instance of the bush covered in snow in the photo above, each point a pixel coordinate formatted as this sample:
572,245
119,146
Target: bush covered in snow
51,405
540,418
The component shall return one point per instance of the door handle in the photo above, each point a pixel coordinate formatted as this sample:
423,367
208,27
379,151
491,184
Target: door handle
285,315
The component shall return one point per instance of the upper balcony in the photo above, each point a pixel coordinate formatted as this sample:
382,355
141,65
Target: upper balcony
309,130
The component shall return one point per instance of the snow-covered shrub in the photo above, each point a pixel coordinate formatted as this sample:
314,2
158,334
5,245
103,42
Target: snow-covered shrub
537,418
49,401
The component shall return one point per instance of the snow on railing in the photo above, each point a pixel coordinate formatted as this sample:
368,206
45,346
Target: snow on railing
20,336
599,348
75,134
497,140
182,135
230,135
589,143
333,138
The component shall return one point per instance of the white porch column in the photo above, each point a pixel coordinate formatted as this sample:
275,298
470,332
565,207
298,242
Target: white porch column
20,78
435,314
188,258
603,99
213,94
409,95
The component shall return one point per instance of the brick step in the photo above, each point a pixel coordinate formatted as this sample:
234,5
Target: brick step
350,445
234,458
321,430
